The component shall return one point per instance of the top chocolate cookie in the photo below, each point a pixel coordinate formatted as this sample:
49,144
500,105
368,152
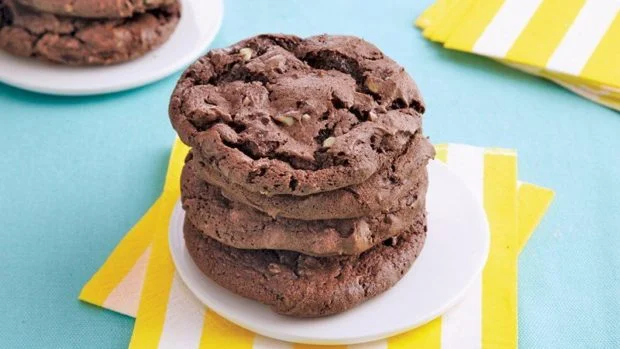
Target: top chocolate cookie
278,114
96,8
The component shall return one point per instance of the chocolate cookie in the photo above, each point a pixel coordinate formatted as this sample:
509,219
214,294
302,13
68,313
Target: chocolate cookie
74,41
241,226
278,114
382,192
304,286
96,8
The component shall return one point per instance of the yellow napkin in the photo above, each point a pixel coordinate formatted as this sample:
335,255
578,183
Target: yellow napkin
139,278
571,42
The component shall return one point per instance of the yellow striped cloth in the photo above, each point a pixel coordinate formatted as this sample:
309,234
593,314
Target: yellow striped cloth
139,279
575,43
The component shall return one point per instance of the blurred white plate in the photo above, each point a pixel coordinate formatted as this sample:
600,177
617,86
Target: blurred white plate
200,22
455,252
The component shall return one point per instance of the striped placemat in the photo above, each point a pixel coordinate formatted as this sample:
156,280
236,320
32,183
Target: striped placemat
139,280
575,43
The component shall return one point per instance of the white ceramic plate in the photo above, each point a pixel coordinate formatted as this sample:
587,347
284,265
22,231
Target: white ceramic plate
454,254
200,22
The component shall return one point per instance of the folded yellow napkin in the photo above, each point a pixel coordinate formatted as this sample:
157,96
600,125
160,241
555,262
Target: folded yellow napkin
571,42
139,278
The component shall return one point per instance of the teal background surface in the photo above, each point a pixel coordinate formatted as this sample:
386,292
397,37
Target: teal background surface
77,173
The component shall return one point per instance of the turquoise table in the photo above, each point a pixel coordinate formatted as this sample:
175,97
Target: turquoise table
76,173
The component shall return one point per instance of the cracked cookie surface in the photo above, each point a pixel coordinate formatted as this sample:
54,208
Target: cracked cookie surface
76,41
305,286
243,227
383,192
96,8
277,114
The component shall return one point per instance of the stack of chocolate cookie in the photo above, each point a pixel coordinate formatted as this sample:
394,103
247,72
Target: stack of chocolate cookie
305,186
86,32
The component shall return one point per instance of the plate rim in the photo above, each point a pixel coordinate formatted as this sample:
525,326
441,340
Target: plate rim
61,90
454,300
